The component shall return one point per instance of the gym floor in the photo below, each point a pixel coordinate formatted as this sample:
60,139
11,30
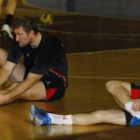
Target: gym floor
98,49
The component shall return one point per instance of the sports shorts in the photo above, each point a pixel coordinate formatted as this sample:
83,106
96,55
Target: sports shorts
128,117
55,86
135,93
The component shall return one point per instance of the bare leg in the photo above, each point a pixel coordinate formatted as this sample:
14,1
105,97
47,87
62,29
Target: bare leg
37,92
16,76
1,1
18,73
7,87
101,116
10,10
120,91
3,56
11,6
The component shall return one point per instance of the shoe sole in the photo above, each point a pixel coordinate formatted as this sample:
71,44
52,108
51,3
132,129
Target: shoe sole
31,116
38,121
31,113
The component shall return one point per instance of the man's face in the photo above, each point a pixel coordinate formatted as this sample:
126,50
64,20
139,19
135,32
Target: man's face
22,37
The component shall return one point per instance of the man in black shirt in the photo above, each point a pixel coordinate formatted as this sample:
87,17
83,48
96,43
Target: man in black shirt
44,76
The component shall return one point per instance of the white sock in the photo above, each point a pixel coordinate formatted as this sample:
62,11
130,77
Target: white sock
61,119
128,107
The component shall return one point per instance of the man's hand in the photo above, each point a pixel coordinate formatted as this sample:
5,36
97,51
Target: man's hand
136,105
17,89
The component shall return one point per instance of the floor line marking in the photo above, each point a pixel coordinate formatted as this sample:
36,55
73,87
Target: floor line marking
106,51
90,77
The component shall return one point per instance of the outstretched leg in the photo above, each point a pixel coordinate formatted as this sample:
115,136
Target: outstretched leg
42,117
100,116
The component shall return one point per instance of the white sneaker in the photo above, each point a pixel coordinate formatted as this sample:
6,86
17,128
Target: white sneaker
6,28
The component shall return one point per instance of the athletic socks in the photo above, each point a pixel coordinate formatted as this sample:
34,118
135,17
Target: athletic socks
61,119
6,30
8,19
128,107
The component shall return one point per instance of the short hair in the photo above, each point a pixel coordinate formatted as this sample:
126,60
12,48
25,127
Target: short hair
27,23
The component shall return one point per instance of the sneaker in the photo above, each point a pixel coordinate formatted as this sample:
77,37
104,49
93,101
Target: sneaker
134,121
42,118
34,110
7,31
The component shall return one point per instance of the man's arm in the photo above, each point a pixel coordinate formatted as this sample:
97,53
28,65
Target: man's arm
6,71
21,88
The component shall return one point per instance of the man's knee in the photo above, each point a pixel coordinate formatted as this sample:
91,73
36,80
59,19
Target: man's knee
18,73
32,95
112,85
27,96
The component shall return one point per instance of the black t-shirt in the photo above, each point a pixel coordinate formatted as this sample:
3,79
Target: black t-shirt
48,55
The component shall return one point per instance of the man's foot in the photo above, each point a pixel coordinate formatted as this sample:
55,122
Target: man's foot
7,31
40,117
134,121
34,110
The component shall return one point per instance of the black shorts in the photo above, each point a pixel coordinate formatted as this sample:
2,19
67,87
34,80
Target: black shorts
128,117
55,87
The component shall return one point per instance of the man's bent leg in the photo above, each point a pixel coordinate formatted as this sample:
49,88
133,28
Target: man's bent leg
18,73
17,76
3,56
122,93
120,90
36,92
102,116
